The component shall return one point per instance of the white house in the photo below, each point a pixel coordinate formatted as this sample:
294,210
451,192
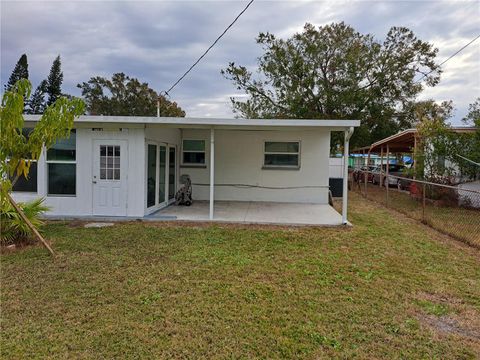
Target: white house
130,166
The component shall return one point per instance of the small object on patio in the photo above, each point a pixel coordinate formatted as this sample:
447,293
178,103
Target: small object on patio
184,194
98,224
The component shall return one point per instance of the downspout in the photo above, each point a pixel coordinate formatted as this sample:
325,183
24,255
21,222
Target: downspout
346,152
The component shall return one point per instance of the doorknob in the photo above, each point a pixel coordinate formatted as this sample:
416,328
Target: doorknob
94,182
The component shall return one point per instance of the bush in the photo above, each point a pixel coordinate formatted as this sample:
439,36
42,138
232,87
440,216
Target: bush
13,229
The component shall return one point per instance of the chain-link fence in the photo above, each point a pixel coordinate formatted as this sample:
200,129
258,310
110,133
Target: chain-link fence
453,210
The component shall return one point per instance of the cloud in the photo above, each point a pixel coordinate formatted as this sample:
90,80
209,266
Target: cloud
157,41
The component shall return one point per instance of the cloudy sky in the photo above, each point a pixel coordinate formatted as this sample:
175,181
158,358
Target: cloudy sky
156,41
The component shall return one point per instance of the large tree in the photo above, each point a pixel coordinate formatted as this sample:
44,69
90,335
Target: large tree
36,104
335,72
53,86
126,96
20,71
443,153
473,116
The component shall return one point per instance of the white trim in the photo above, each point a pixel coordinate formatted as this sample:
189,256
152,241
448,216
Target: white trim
212,172
346,153
212,122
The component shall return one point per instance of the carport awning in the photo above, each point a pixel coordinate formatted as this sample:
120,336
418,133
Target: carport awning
402,142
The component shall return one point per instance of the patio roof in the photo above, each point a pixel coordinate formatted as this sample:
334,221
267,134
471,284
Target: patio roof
404,141
208,123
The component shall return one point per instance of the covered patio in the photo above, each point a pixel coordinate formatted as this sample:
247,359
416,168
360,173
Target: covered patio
253,212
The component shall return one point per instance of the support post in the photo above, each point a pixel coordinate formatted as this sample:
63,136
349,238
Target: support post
423,202
346,152
366,175
212,171
381,166
415,157
386,171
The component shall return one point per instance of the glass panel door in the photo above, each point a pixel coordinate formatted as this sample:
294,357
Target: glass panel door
151,174
171,172
162,177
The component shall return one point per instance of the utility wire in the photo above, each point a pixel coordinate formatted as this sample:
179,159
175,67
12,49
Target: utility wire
451,56
210,47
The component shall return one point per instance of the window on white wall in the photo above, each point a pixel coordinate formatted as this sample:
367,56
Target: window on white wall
193,152
281,154
27,184
62,166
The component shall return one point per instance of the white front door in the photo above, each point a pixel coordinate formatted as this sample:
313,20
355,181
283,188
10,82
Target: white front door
110,166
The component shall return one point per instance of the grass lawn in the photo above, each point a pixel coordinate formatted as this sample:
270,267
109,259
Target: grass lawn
461,223
387,288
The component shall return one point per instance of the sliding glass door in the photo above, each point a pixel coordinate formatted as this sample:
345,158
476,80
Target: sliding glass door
160,174
171,172
151,174
162,178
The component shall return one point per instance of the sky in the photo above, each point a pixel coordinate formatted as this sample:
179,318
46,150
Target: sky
156,41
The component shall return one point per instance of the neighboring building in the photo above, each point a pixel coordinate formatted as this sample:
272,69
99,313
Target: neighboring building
130,166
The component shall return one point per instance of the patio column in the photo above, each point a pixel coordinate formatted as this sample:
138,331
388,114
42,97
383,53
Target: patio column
346,152
212,170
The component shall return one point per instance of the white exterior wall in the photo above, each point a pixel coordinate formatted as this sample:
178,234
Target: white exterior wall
81,204
336,168
239,160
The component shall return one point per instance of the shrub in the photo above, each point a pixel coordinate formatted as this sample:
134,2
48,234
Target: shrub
13,229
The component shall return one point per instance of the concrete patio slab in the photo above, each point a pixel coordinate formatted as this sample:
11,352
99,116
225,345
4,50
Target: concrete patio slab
253,213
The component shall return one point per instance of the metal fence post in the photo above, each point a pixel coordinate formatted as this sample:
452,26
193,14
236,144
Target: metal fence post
387,184
423,202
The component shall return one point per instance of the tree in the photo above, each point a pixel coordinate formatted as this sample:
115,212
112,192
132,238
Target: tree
125,96
442,153
54,81
473,116
335,72
37,104
17,150
19,72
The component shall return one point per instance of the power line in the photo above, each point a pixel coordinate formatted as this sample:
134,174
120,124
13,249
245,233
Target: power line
451,56
210,47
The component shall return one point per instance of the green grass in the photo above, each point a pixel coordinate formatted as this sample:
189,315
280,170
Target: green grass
458,222
175,291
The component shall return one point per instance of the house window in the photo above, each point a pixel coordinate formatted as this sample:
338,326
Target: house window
193,152
285,154
27,184
62,166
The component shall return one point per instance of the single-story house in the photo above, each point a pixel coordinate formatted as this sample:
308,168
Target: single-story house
127,166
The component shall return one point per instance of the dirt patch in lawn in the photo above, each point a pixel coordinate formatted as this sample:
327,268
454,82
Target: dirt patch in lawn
447,315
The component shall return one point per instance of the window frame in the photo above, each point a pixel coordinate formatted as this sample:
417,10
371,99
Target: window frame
29,129
47,164
281,167
195,165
